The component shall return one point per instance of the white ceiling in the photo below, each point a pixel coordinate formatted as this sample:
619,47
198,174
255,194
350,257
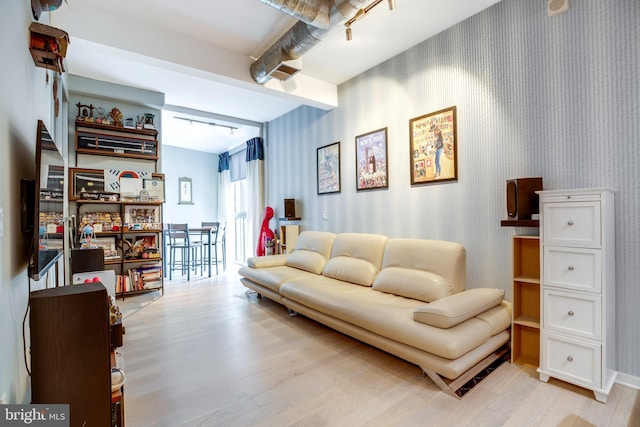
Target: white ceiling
198,53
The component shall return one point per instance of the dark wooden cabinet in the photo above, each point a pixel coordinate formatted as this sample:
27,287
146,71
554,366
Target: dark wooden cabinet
70,351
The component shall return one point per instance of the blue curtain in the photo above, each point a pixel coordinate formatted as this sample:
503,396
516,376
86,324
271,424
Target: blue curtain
223,162
255,149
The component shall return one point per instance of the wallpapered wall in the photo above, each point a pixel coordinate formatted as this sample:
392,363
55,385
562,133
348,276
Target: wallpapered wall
536,96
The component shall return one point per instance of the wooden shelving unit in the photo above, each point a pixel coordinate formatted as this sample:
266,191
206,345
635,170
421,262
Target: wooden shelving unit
525,329
123,264
104,144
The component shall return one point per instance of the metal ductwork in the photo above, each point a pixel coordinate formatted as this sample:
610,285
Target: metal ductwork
315,19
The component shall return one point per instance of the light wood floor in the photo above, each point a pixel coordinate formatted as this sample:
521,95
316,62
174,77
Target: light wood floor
206,354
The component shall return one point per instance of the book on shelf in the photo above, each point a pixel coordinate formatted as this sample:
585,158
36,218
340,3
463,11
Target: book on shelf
140,278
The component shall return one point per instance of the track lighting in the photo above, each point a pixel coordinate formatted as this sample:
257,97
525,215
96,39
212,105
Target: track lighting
191,121
361,13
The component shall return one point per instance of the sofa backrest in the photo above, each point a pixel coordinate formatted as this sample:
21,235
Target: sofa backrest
422,269
312,251
356,257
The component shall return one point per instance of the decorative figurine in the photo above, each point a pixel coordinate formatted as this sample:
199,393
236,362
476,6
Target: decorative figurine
85,112
116,115
86,238
265,232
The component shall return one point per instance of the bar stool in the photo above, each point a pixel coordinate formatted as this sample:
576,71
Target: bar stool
179,240
213,236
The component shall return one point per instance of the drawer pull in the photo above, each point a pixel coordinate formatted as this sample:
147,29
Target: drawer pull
570,222
570,313
571,268
569,359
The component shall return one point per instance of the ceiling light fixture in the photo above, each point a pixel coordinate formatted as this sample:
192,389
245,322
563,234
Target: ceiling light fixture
361,13
191,121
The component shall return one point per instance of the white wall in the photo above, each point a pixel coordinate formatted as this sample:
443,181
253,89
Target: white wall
536,96
26,97
202,168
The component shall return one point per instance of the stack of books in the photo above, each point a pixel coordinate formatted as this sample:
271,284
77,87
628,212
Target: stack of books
140,278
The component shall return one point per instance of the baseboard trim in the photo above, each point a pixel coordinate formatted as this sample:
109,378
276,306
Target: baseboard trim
628,380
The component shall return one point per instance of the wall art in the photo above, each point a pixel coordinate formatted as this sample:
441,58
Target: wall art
433,147
185,195
371,160
328,168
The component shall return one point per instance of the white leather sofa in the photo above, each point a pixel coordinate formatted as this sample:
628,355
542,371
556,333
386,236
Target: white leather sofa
404,296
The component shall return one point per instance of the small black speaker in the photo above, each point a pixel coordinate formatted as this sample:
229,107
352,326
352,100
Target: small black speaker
522,200
289,208
83,260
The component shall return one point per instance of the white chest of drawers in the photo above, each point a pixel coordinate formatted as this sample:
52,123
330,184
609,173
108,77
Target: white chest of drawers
577,262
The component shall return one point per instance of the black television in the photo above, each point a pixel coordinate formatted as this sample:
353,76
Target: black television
43,201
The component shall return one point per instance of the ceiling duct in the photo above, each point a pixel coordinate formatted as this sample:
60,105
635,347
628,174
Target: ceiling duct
286,69
312,12
315,19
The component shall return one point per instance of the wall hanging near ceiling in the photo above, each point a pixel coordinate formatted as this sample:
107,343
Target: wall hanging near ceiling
48,46
433,147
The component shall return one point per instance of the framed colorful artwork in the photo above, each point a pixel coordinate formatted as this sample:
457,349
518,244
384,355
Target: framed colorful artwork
433,147
328,168
371,160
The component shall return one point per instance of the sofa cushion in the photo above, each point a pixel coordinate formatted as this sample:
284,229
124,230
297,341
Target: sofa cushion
312,251
273,277
356,257
415,284
267,261
455,309
384,314
428,255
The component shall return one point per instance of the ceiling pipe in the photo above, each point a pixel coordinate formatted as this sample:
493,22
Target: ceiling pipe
312,12
303,35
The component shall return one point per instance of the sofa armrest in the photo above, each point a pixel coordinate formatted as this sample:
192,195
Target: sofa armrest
455,309
267,261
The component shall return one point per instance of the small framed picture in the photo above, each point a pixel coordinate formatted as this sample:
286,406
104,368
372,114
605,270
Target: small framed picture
155,188
185,195
85,182
371,160
328,168
109,246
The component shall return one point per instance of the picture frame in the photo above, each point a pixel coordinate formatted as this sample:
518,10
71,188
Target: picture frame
328,168
108,244
86,182
371,160
155,187
433,152
185,191
142,218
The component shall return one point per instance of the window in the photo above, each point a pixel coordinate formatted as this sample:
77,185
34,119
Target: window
238,166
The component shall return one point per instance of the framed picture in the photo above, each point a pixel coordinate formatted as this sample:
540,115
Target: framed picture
86,183
433,147
185,195
371,160
155,188
142,217
109,246
328,168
